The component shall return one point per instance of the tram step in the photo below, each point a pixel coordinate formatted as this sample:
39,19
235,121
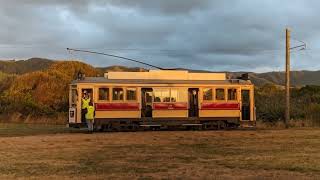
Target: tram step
150,125
191,124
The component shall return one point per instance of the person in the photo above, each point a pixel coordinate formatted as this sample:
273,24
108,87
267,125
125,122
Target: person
84,104
90,116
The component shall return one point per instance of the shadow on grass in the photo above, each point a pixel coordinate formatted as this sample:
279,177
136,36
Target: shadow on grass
20,129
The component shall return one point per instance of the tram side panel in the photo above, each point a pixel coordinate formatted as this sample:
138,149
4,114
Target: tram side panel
117,110
111,102
170,102
220,103
122,103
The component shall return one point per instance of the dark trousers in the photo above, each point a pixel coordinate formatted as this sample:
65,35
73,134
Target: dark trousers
83,115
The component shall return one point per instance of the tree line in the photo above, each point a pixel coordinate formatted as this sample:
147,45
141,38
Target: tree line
305,103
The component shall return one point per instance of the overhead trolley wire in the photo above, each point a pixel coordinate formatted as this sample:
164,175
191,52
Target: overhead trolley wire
111,55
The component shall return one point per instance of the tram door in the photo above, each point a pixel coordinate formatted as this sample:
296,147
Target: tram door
245,98
193,102
88,92
146,102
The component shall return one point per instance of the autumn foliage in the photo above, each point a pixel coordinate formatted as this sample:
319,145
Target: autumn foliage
44,92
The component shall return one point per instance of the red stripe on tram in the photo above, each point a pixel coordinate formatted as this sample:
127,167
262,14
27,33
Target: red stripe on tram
220,106
117,106
170,106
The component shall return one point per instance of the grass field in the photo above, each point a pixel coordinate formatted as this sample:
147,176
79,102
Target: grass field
57,153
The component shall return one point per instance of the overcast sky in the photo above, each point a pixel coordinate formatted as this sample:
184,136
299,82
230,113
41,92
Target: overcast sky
224,35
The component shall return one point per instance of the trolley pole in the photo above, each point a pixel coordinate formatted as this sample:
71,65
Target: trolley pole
287,81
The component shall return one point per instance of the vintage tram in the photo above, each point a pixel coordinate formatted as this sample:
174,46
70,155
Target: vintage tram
164,99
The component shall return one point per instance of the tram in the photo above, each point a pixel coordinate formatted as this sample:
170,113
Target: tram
163,99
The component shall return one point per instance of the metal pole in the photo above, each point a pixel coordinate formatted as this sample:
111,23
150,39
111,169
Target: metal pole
287,110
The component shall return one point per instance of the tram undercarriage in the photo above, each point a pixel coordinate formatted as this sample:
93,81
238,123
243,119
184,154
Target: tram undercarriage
114,125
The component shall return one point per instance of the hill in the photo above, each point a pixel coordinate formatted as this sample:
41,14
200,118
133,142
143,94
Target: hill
298,78
25,66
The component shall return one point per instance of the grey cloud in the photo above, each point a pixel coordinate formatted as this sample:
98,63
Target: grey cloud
163,7
213,35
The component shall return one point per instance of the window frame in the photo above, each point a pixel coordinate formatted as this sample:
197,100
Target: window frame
236,97
73,97
126,94
154,91
178,98
98,94
121,100
212,94
224,94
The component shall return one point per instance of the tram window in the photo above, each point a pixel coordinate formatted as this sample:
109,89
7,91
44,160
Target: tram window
166,99
174,95
207,94
73,96
220,94
117,94
103,93
161,95
131,94
182,95
232,94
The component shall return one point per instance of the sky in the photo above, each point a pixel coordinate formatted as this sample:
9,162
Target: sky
216,35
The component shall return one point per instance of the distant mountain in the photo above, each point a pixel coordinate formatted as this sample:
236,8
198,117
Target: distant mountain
254,77
298,78
25,66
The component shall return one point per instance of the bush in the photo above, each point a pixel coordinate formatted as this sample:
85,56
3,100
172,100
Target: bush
270,103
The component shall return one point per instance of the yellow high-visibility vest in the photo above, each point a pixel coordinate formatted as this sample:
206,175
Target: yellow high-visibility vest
90,112
85,103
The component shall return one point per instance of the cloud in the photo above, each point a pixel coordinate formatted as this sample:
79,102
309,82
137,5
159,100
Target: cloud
213,35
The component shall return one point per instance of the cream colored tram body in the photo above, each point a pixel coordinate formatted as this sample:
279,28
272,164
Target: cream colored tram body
163,99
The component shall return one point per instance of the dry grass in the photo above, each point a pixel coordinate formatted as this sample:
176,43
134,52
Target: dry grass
292,153
292,123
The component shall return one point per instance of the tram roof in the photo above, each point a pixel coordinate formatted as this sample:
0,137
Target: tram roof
159,81
166,75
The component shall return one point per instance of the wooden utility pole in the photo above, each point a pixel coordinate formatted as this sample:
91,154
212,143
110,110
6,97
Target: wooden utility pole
287,110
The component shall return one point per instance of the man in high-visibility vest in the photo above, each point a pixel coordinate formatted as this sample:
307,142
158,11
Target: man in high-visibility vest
90,117
84,104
